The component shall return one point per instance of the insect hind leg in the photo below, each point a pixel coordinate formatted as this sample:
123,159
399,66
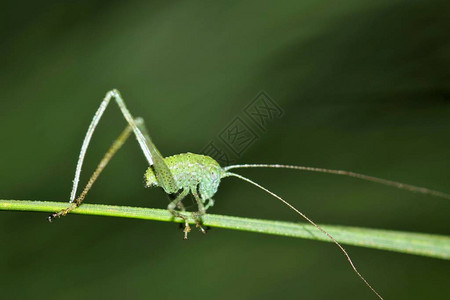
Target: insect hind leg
118,143
113,94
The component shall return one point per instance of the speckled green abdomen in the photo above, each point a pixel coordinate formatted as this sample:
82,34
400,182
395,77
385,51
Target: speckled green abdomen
191,171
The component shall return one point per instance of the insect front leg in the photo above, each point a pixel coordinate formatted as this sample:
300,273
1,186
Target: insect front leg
175,203
181,207
201,210
209,204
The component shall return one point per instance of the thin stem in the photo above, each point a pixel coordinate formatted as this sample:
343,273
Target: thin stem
431,245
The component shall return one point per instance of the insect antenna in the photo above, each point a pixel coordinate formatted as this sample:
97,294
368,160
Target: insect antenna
396,184
311,222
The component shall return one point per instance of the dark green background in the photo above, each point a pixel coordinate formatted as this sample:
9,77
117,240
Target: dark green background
365,87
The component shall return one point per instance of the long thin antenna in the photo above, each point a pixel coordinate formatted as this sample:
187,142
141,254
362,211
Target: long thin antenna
310,221
399,185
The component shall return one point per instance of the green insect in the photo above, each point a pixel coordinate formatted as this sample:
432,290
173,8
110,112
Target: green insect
197,174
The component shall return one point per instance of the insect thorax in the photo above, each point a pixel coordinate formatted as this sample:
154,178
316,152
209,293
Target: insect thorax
191,171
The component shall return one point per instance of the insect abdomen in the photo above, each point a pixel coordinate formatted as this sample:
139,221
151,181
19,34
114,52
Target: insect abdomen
191,171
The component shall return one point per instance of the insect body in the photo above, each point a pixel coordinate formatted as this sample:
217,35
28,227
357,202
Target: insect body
191,171
196,174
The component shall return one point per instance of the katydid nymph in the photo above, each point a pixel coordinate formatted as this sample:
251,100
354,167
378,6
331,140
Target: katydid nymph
199,175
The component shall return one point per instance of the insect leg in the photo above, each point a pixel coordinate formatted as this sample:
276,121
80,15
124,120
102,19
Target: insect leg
209,204
105,160
181,207
132,123
163,174
201,210
171,208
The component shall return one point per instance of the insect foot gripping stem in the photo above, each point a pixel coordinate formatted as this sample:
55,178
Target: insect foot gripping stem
171,208
63,212
176,203
201,210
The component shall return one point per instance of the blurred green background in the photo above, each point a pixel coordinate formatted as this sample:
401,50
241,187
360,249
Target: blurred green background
364,85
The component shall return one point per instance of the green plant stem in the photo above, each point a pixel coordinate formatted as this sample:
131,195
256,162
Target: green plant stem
431,245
